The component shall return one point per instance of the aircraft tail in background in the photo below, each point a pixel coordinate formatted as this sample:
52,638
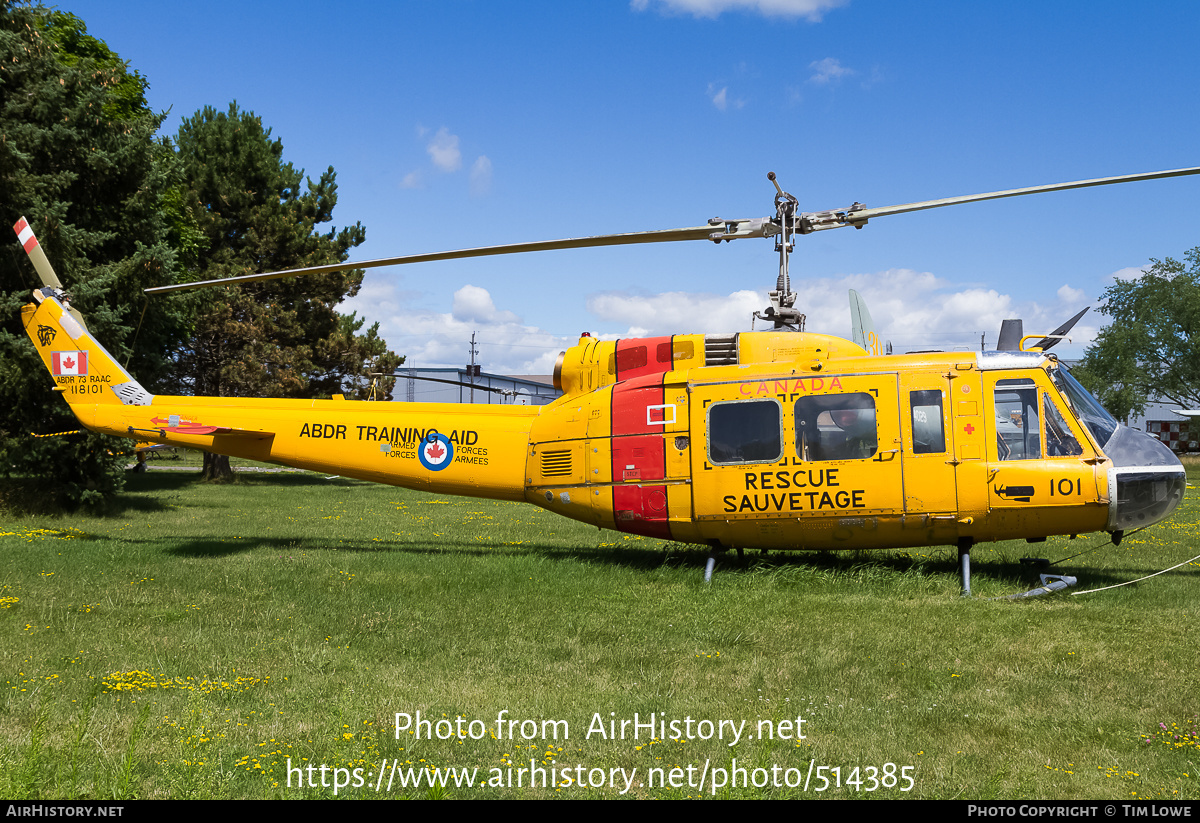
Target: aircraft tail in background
862,327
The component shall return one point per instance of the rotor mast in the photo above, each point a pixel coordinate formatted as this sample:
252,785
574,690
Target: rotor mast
781,311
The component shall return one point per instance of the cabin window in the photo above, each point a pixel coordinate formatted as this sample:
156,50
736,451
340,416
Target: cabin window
1059,440
1018,432
836,427
749,431
928,423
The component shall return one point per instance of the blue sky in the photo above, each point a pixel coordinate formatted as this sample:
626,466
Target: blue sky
476,123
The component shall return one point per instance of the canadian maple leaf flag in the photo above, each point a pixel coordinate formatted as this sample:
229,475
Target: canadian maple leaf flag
68,362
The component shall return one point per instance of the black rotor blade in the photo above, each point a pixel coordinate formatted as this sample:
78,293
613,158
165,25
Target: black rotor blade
1054,336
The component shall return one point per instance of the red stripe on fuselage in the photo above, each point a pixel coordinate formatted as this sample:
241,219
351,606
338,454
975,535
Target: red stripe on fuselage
638,456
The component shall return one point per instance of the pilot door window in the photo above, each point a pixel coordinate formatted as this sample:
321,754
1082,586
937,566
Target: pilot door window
1018,430
928,422
836,427
748,431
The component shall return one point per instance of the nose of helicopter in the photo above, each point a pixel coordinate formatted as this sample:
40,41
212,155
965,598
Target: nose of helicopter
1146,481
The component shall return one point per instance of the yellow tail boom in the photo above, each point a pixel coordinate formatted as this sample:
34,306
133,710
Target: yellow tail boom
471,450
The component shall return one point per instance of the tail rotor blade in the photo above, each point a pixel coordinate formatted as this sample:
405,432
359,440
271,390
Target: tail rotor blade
38,257
42,263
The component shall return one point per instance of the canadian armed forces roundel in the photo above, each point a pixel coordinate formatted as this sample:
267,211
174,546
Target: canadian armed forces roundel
436,452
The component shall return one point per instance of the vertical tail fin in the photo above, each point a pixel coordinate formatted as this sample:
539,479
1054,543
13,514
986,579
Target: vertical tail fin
862,327
83,369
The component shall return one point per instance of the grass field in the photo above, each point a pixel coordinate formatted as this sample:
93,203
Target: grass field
200,637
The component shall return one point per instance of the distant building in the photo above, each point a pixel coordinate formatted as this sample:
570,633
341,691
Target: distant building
1164,422
423,386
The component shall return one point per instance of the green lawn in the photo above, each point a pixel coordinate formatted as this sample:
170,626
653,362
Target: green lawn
200,636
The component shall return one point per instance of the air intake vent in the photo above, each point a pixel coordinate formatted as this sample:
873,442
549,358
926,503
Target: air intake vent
556,463
720,349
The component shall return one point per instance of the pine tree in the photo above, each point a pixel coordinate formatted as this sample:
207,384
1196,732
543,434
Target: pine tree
280,338
79,159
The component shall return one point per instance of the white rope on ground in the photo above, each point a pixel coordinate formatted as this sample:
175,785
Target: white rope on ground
1147,577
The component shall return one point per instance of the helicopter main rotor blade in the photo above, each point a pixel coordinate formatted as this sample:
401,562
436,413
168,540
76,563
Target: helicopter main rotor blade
858,215
1052,339
716,230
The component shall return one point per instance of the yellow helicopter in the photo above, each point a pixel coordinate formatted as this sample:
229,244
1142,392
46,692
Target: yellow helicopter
781,439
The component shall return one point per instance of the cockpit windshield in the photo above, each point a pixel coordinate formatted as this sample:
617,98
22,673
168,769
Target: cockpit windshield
1087,408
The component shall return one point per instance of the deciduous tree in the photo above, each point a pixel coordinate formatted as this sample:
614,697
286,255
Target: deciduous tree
1151,350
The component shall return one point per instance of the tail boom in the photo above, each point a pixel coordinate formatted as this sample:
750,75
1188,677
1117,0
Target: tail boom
478,451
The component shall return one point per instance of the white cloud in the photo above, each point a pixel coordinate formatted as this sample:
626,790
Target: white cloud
443,150
473,304
437,339
719,95
811,10
677,312
445,155
481,176
828,70
1068,295
917,310
875,76
1129,273
914,310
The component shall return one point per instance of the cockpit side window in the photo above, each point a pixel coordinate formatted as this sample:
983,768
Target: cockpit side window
1018,431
